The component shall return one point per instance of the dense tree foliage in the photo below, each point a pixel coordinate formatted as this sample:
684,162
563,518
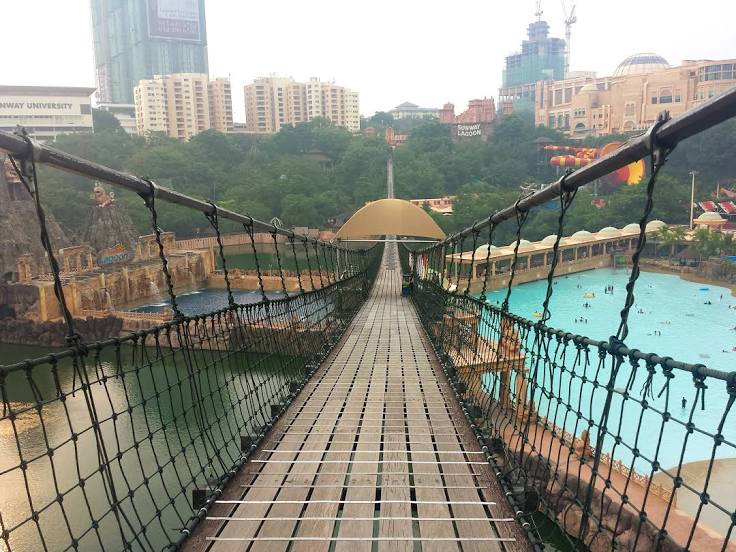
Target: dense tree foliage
485,176
303,175
312,172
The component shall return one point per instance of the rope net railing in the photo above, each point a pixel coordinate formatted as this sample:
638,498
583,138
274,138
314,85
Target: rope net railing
621,449
123,443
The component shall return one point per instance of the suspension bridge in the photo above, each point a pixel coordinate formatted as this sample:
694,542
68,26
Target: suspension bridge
342,415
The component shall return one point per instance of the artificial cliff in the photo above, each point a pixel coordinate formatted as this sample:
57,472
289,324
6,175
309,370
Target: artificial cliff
109,224
19,228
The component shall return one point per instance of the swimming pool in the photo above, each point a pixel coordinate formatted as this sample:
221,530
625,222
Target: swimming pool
688,321
691,331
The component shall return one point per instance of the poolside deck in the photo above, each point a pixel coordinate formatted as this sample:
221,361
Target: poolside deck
375,453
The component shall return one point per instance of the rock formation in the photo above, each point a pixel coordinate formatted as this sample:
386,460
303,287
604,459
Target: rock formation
109,223
564,492
53,334
19,229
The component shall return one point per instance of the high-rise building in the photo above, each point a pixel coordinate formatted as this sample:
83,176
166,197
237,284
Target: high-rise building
271,102
541,58
640,88
183,105
221,105
137,39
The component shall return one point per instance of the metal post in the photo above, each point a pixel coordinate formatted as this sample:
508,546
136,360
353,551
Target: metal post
692,197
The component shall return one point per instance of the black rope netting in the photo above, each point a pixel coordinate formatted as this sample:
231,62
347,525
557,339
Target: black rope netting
124,443
616,448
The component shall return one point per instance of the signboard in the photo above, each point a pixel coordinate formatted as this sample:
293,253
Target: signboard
174,19
114,255
466,131
25,105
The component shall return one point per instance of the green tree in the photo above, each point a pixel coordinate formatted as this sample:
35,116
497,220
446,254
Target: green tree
104,121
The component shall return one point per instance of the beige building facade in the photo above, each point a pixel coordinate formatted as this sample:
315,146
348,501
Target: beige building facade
221,105
46,111
272,102
642,86
182,105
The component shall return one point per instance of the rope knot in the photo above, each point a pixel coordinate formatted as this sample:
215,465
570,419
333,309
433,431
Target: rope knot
731,383
74,340
616,345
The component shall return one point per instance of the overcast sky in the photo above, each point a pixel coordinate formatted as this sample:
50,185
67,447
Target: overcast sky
426,52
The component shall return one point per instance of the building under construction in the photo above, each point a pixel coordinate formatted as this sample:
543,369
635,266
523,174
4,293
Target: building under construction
541,58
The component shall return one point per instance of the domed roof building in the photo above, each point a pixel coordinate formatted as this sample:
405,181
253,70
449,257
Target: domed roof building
631,228
655,224
581,235
482,251
609,232
641,64
708,220
524,245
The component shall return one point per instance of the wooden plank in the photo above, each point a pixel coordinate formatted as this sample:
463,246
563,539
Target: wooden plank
429,487
374,454
329,487
363,476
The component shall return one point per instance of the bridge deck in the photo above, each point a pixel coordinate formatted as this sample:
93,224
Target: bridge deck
374,454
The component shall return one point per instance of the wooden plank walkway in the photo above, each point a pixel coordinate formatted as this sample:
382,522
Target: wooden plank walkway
374,454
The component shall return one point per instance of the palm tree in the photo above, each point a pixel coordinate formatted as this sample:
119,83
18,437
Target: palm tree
702,242
670,237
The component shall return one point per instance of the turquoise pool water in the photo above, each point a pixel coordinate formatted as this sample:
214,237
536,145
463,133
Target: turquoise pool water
691,331
670,317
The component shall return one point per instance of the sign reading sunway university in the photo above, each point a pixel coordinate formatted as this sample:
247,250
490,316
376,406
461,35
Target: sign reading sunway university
174,19
114,255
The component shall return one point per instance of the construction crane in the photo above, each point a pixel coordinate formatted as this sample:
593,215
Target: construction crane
570,18
539,11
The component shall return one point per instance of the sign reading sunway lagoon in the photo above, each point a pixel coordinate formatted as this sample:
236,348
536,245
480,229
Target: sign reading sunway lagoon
114,255
174,19
464,131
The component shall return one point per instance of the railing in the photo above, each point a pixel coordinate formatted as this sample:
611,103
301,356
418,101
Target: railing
620,448
124,443
164,315
227,240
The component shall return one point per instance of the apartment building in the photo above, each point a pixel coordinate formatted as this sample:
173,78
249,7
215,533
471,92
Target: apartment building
221,105
183,105
271,102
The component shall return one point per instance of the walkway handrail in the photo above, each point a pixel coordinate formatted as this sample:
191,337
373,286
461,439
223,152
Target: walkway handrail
26,147
667,134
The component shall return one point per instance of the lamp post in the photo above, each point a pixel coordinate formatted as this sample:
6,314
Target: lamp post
692,197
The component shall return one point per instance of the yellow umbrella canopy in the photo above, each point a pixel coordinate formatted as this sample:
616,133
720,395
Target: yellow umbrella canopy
394,217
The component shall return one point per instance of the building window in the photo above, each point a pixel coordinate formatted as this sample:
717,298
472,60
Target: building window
665,96
630,109
654,99
551,122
